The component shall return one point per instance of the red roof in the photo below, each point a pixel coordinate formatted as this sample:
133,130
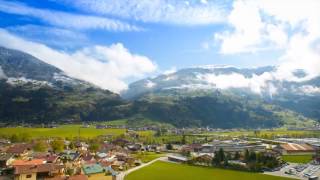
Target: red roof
28,162
292,147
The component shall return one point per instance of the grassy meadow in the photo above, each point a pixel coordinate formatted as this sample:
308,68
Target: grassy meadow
65,131
148,156
297,158
171,171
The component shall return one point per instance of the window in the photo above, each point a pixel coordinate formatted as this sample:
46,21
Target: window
29,176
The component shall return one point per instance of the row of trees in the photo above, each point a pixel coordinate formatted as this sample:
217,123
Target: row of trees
255,161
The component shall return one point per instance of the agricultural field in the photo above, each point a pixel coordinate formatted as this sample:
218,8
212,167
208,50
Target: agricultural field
171,171
268,134
297,158
65,131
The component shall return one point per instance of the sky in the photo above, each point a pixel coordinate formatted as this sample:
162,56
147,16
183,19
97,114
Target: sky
111,43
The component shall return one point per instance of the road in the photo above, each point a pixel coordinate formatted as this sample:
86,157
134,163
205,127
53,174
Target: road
123,174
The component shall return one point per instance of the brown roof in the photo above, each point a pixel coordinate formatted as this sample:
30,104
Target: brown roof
87,157
292,147
24,169
19,148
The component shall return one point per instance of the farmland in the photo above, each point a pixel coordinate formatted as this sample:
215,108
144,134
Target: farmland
297,158
65,131
172,171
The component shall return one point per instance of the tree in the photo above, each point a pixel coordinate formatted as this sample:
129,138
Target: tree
246,156
57,145
94,147
40,146
183,140
221,155
237,156
169,146
252,156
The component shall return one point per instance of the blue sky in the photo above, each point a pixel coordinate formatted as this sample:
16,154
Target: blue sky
151,37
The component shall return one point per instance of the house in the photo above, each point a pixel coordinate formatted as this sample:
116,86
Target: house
82,146
20,150
34,172
134,147
176,158
88,159
6,160
34,162
92,170
295,149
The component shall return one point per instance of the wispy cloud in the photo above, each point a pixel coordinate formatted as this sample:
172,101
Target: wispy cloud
66,20
156,11
106,66
51,36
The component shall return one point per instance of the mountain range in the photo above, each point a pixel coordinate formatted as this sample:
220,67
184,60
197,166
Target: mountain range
216,96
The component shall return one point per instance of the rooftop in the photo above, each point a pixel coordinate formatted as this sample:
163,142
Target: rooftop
92,169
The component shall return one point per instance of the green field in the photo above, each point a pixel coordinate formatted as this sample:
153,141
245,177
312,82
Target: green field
148,156
297,158
268,134
171,171
64,131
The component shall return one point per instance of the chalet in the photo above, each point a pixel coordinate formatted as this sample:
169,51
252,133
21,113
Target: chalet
34,172
82,146
21,150
134,147
295,149
34,162
120,142
88,159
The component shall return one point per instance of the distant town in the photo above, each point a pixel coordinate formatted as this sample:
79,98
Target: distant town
120,152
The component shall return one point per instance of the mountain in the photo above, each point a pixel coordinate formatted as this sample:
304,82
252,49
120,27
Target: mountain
224,96
34,91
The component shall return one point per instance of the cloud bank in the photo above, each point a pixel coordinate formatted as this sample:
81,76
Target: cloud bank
104,66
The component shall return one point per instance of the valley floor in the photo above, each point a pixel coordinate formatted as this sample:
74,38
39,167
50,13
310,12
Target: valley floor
171,171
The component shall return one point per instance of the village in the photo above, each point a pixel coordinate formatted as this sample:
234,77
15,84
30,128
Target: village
114,157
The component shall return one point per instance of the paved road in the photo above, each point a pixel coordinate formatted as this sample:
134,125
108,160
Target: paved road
123,174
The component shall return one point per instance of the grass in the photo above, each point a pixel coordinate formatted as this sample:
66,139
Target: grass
148,156
171,171
65,131
297,158
269,133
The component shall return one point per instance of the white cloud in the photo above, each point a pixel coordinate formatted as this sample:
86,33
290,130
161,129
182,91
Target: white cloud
170,71
256,84
162,11
105,66
150,84
291,27
309,90
66,20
